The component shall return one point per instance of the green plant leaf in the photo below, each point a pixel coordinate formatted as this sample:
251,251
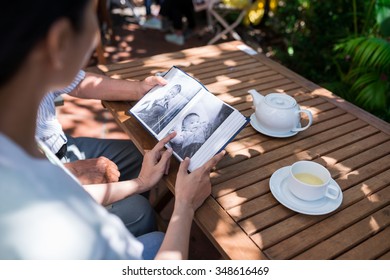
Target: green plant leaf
383,16
382,9
368,52
385,27
371,91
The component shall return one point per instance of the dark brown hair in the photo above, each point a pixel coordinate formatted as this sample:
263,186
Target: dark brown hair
25,22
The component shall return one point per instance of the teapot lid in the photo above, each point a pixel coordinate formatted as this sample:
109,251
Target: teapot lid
280,101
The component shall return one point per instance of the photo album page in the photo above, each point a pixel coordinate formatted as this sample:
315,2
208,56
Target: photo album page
204,124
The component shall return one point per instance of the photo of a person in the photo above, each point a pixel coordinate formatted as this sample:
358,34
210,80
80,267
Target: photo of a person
162,104
197,126
192,136
159,112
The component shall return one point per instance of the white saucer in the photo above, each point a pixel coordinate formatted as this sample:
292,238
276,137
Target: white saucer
267,132
281,192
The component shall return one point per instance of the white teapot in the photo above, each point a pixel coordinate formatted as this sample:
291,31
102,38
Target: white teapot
277,114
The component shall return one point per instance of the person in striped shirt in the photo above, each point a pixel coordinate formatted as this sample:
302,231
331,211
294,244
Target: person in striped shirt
100,161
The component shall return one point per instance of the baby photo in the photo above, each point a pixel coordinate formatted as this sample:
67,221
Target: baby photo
197,126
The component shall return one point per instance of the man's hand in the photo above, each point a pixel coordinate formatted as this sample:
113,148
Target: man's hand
149,83
155,164
94,171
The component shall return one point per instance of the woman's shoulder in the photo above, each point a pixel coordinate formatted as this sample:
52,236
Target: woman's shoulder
46,221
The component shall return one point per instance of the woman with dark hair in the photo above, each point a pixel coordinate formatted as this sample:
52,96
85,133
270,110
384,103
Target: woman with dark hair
44,211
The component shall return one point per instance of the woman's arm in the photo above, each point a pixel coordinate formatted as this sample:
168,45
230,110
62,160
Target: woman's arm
108,193
191,190
154,166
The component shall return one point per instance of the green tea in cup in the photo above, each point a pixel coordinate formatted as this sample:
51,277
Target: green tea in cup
308,178
310,181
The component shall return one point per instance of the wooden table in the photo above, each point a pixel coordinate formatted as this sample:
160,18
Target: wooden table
242,218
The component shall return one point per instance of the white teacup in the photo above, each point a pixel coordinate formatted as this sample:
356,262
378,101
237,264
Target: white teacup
310,181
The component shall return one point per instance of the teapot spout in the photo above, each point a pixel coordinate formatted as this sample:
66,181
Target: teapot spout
257,97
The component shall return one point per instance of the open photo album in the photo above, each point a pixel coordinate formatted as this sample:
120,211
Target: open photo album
204,124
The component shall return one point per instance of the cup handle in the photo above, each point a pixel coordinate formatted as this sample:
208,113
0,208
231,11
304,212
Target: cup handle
309,115
332,192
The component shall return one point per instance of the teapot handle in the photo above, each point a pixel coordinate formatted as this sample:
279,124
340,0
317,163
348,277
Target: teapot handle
309,115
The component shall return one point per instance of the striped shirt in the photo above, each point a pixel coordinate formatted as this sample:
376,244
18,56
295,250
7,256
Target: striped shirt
49,129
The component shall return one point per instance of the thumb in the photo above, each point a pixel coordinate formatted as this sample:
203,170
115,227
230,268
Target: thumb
155,80
160,81
184,165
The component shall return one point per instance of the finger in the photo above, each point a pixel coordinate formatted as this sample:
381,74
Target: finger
158,156
160,145
112,176
164,158
160,80
112,170
214,160
101,160
106,164
112,165
115,172
184,166
156,80
168,166
155,156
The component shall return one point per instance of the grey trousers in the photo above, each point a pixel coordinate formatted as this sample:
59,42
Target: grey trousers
135,211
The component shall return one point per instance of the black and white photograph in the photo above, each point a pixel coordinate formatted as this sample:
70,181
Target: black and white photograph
197,125
163,103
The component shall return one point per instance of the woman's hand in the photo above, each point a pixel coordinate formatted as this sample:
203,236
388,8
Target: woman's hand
155,164
192,189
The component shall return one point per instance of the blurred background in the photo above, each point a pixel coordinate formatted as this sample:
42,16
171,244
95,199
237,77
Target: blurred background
341,45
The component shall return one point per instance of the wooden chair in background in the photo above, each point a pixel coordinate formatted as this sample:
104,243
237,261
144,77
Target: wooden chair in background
106,29
217,12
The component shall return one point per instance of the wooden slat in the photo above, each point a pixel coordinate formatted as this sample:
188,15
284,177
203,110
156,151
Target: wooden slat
263,82
215,221
354,162
353,236
385,256
289,248
139,70
375,247
206,52
216,69
292,246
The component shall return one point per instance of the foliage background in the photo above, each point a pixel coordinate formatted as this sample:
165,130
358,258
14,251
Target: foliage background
342,45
